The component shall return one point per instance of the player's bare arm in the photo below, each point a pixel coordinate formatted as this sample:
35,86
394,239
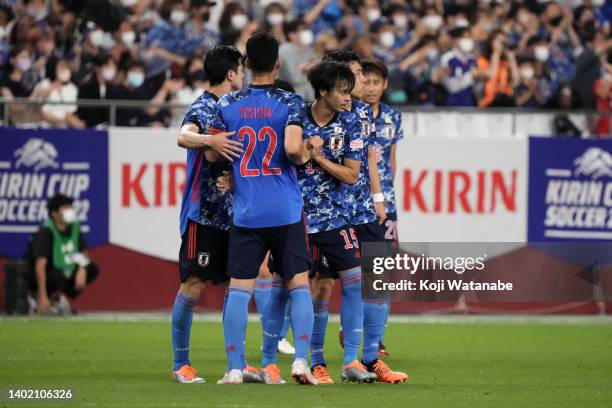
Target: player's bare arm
228,149
295,148
375,188
347,172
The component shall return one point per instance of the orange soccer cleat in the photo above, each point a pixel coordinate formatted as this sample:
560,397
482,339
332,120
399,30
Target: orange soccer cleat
186,375
272,374
385,374
321,374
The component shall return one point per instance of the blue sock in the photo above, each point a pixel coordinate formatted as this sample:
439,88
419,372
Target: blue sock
387,311
272,321
262,294
234,325
302,317
373,328
351,313
321,313
182,315
286,322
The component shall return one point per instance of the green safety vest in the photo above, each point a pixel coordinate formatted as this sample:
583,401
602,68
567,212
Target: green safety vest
64,247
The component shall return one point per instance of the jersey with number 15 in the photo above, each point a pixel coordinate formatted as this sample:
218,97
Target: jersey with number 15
266,190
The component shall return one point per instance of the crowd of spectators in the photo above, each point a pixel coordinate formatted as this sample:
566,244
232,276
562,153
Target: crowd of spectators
487,53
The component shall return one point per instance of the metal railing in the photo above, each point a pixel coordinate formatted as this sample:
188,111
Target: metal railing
114,104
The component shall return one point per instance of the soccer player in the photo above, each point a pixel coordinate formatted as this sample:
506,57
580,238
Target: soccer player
366,211
388,123
267,207
337,162
204,217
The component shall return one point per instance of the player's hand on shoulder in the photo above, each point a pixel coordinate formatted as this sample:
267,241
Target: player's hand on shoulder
222,144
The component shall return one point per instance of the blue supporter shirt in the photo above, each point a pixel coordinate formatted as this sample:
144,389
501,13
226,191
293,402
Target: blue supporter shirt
201,201
323,193
459,83
266,190
389,131
358,199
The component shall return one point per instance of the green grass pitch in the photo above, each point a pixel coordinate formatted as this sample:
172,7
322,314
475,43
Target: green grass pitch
116,364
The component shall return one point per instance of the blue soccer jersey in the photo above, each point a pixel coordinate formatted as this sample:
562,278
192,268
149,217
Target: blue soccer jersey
358,199
266,190
323,194
201,201
388,132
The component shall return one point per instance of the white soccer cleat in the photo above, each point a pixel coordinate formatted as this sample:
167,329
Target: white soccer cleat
301,372
231,377
284,347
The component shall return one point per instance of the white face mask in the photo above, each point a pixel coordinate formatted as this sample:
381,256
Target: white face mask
466,45
400,21
462,23
2,32
275,19
432,54
108,73
128,38
128,3
135,78
96,37
432,22
373,15
239,21
64,76
387,39
306,38
69,216
23,64
527,73
178,17
597,3
541,53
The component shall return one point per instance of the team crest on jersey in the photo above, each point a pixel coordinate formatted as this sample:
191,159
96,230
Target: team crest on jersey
336,142
203,259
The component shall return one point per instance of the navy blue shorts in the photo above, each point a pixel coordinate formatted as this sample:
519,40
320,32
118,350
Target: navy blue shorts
203,253
390,229
287,245
372,232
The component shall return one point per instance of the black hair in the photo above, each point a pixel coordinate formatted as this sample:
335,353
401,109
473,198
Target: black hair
262,52
219,61
291,26
58,201
377,67
134,63
284,85
100,59
331,75
343,56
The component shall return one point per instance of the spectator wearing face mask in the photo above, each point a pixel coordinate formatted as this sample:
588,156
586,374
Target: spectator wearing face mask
320,15
526,90
199,38
274,17
168,38
61,267
132,88
231,23
603,94
401,24
385,40
97,86
11,85
428,25
196,82
459,71
59,88
295,55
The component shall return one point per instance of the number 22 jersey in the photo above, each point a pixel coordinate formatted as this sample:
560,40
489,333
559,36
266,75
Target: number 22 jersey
266,190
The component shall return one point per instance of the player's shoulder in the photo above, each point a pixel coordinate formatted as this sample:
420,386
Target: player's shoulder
285,97
363,110
348,118
206,99
390,111
233,97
